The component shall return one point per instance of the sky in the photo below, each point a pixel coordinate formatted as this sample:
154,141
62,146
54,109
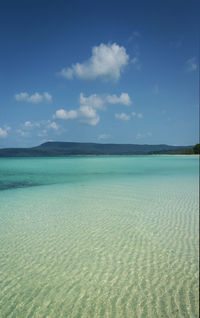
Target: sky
99,71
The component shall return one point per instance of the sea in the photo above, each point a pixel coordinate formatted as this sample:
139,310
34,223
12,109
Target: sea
99,236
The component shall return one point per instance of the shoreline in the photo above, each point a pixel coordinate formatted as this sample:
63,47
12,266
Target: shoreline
129,155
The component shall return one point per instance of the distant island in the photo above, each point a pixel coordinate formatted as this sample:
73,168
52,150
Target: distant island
59,149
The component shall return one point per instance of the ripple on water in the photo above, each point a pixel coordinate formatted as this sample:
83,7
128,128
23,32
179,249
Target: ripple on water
102,250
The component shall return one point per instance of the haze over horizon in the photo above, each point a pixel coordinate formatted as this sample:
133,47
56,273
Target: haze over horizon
104,72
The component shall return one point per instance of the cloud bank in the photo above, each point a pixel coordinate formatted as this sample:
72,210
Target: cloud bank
89,106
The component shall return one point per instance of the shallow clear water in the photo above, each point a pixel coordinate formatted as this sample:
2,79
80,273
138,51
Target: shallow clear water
99,237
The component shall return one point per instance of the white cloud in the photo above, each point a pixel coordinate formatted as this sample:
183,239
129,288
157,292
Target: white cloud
107,62
53,125
93,100
191,64
3,133
64,114
47,97
122,116
88,115
139,115
35,98
98,102
28,124
124,99
89,106
21,96
40,128
87,111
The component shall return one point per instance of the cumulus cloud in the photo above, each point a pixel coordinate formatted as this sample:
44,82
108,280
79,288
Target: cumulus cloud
64,114
35,98
98,102
53,125
124,99
88,109
122,116
88,115
93,101
107,62
21,96
191,64
90,106
28,124
47,97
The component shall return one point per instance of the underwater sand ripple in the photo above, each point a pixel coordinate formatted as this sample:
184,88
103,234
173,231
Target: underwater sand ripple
118,251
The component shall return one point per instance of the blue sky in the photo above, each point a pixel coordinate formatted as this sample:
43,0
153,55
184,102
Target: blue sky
106,71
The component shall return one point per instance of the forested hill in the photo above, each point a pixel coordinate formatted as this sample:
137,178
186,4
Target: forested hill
50,149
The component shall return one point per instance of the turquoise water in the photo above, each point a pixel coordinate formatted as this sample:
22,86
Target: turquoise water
99,237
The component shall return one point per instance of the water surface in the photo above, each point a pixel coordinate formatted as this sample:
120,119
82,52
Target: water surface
99,237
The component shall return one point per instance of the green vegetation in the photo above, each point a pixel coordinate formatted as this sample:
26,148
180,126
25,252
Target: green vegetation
181,151
196,149
57,149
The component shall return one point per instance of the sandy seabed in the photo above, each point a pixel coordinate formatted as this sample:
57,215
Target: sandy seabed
114,246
